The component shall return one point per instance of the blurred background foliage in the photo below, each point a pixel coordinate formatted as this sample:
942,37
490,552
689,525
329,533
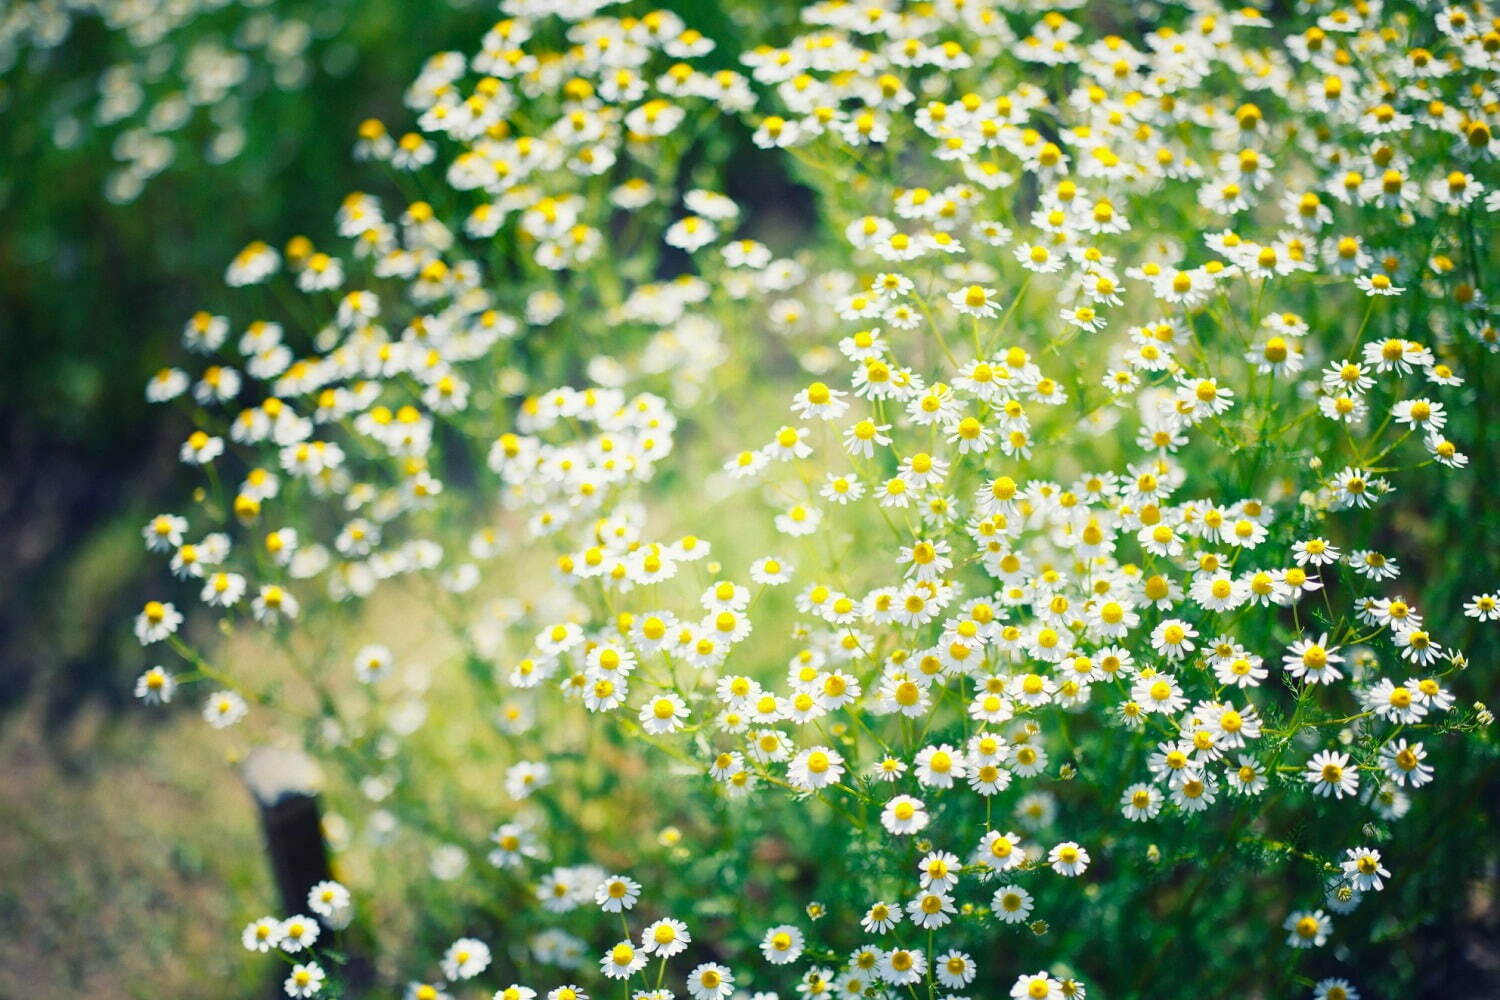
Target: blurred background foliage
94,285
116,223
119,209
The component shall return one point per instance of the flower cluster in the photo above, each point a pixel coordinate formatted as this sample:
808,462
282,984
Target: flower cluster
1114,357
297,936
185,78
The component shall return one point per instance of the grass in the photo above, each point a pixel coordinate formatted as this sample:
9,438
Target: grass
125,864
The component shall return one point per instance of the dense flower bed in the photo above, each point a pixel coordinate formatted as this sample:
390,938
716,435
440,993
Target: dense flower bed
883,608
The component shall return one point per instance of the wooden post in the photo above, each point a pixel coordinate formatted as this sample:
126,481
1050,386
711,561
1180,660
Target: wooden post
285,786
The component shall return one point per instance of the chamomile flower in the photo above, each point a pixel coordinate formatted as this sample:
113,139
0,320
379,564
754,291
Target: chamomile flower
710,981
331,901
665,938
904,815
617,893
663,714
903,967
1363,870
1068,859
1011,904
155,686
224,708
298,933
1330,773
1036,986
818,400
623,961
1334,988
931,910
815,768
1394,702
305,980
1313,661
262,935
1404,763
1000,852
1173,638
1308,928
955,970
880,917
156,621
782,944
1416,646
975,300
1483,607
465,959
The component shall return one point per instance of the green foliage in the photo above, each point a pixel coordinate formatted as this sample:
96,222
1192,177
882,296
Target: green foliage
503,515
